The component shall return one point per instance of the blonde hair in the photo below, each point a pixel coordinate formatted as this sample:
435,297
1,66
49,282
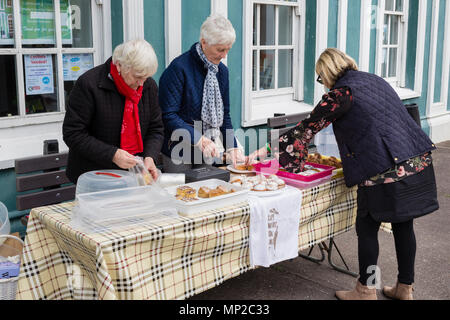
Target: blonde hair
137,56
332,65
217,30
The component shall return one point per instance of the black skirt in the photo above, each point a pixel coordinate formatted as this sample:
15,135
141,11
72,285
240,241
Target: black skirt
401,201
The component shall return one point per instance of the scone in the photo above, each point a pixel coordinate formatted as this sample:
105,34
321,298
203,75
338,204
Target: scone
223,189
203,192
186,192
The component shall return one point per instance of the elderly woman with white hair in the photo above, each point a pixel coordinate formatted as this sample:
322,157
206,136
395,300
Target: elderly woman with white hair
195,102
113,113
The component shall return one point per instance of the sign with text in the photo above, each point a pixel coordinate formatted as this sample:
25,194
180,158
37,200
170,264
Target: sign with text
39,74
74,65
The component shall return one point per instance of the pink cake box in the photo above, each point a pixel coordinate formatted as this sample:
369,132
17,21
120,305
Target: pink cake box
273,167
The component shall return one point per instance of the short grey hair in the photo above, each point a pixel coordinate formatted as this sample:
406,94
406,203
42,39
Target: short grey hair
217,30
137,56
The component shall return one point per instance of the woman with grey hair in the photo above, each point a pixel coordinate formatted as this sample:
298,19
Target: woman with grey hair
195,102
113,113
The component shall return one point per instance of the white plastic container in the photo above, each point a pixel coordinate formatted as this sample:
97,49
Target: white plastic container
121,207
104,180
5,227
202,205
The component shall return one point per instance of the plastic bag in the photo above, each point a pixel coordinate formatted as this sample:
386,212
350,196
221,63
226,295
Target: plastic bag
143,176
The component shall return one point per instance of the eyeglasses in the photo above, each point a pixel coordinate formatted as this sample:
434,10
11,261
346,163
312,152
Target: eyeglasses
319,79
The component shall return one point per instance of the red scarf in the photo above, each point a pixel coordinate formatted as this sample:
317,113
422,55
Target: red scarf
131,136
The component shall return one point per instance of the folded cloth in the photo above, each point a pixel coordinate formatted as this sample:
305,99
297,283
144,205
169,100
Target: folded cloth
274,224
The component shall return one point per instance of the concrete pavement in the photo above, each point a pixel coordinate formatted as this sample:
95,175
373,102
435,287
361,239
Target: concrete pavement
301,279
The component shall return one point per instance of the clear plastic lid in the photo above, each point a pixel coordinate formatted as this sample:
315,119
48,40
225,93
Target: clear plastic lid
104,180
5,226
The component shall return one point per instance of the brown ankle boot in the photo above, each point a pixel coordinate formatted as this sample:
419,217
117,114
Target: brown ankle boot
359,293
399,292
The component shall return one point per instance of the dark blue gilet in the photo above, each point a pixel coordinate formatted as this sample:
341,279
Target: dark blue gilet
378,131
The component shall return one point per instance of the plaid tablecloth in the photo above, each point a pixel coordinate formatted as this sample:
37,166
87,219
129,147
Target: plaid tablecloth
169,259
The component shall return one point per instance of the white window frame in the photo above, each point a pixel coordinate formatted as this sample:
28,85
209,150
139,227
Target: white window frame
260,105
398,82
100,50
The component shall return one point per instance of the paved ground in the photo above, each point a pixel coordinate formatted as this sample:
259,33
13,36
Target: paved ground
301,279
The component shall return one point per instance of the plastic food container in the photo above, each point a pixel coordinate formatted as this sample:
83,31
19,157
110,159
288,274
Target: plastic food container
202,205
104,180
116,208
5,227
297,180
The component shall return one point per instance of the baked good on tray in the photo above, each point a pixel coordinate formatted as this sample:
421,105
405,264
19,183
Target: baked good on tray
243,167
327,161
203,192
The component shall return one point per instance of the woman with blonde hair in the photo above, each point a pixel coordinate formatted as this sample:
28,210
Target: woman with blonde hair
384,152
113,113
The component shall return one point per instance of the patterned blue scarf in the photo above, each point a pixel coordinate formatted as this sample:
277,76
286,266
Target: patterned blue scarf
212,106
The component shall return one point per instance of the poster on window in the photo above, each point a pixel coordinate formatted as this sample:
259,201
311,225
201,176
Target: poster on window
38,22
39,74
74,65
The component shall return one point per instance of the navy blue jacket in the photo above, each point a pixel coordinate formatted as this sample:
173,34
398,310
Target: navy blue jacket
181,97
378,131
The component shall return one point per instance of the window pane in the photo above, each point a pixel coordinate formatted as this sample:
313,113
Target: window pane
384,63
8,90
255,25
6,24
254,71
40,83
267,25
399,5
390,5
76,23
38,23
385,29
267,65
74,65
394,29
285,25
393,62
285,58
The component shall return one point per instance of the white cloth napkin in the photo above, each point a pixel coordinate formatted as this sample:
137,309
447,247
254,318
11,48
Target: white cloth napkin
274,223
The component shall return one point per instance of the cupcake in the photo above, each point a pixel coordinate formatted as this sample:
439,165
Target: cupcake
259,187
272,186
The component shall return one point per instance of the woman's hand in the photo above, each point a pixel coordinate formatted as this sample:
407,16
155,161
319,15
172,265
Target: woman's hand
208,148
151,167
260,153
236,156
124,159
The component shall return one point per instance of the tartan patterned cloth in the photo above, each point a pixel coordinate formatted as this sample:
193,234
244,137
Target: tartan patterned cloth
165,259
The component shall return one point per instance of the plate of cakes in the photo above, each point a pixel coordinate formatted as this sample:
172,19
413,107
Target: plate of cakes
240,168
260,185
206,195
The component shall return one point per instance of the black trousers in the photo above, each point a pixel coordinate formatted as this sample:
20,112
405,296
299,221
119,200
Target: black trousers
368,248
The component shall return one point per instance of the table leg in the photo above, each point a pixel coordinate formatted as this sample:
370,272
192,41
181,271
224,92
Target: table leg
316,260
330,261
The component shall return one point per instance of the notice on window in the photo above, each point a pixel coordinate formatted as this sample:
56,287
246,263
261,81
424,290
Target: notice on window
39,74
74,65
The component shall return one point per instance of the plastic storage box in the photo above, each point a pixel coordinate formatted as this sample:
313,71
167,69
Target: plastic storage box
5,227
296,180
121,207
104,180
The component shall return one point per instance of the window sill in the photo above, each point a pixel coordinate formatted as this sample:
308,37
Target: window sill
42,118
260,113
405,93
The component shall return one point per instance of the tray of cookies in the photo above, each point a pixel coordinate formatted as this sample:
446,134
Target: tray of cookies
260,184
206,195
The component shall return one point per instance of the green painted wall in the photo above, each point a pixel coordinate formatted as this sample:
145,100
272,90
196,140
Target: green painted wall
194,13
333,23
373,37
353,28
412,43
8,198
117,23
439,52
154,31
310,50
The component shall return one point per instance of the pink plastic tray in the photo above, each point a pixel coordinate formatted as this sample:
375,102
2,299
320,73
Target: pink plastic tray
273,167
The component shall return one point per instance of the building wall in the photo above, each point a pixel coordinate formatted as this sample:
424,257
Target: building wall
172,33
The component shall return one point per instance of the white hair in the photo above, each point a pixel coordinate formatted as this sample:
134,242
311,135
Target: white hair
137,56
217,30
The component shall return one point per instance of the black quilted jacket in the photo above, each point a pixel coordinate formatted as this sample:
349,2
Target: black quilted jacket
378,131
